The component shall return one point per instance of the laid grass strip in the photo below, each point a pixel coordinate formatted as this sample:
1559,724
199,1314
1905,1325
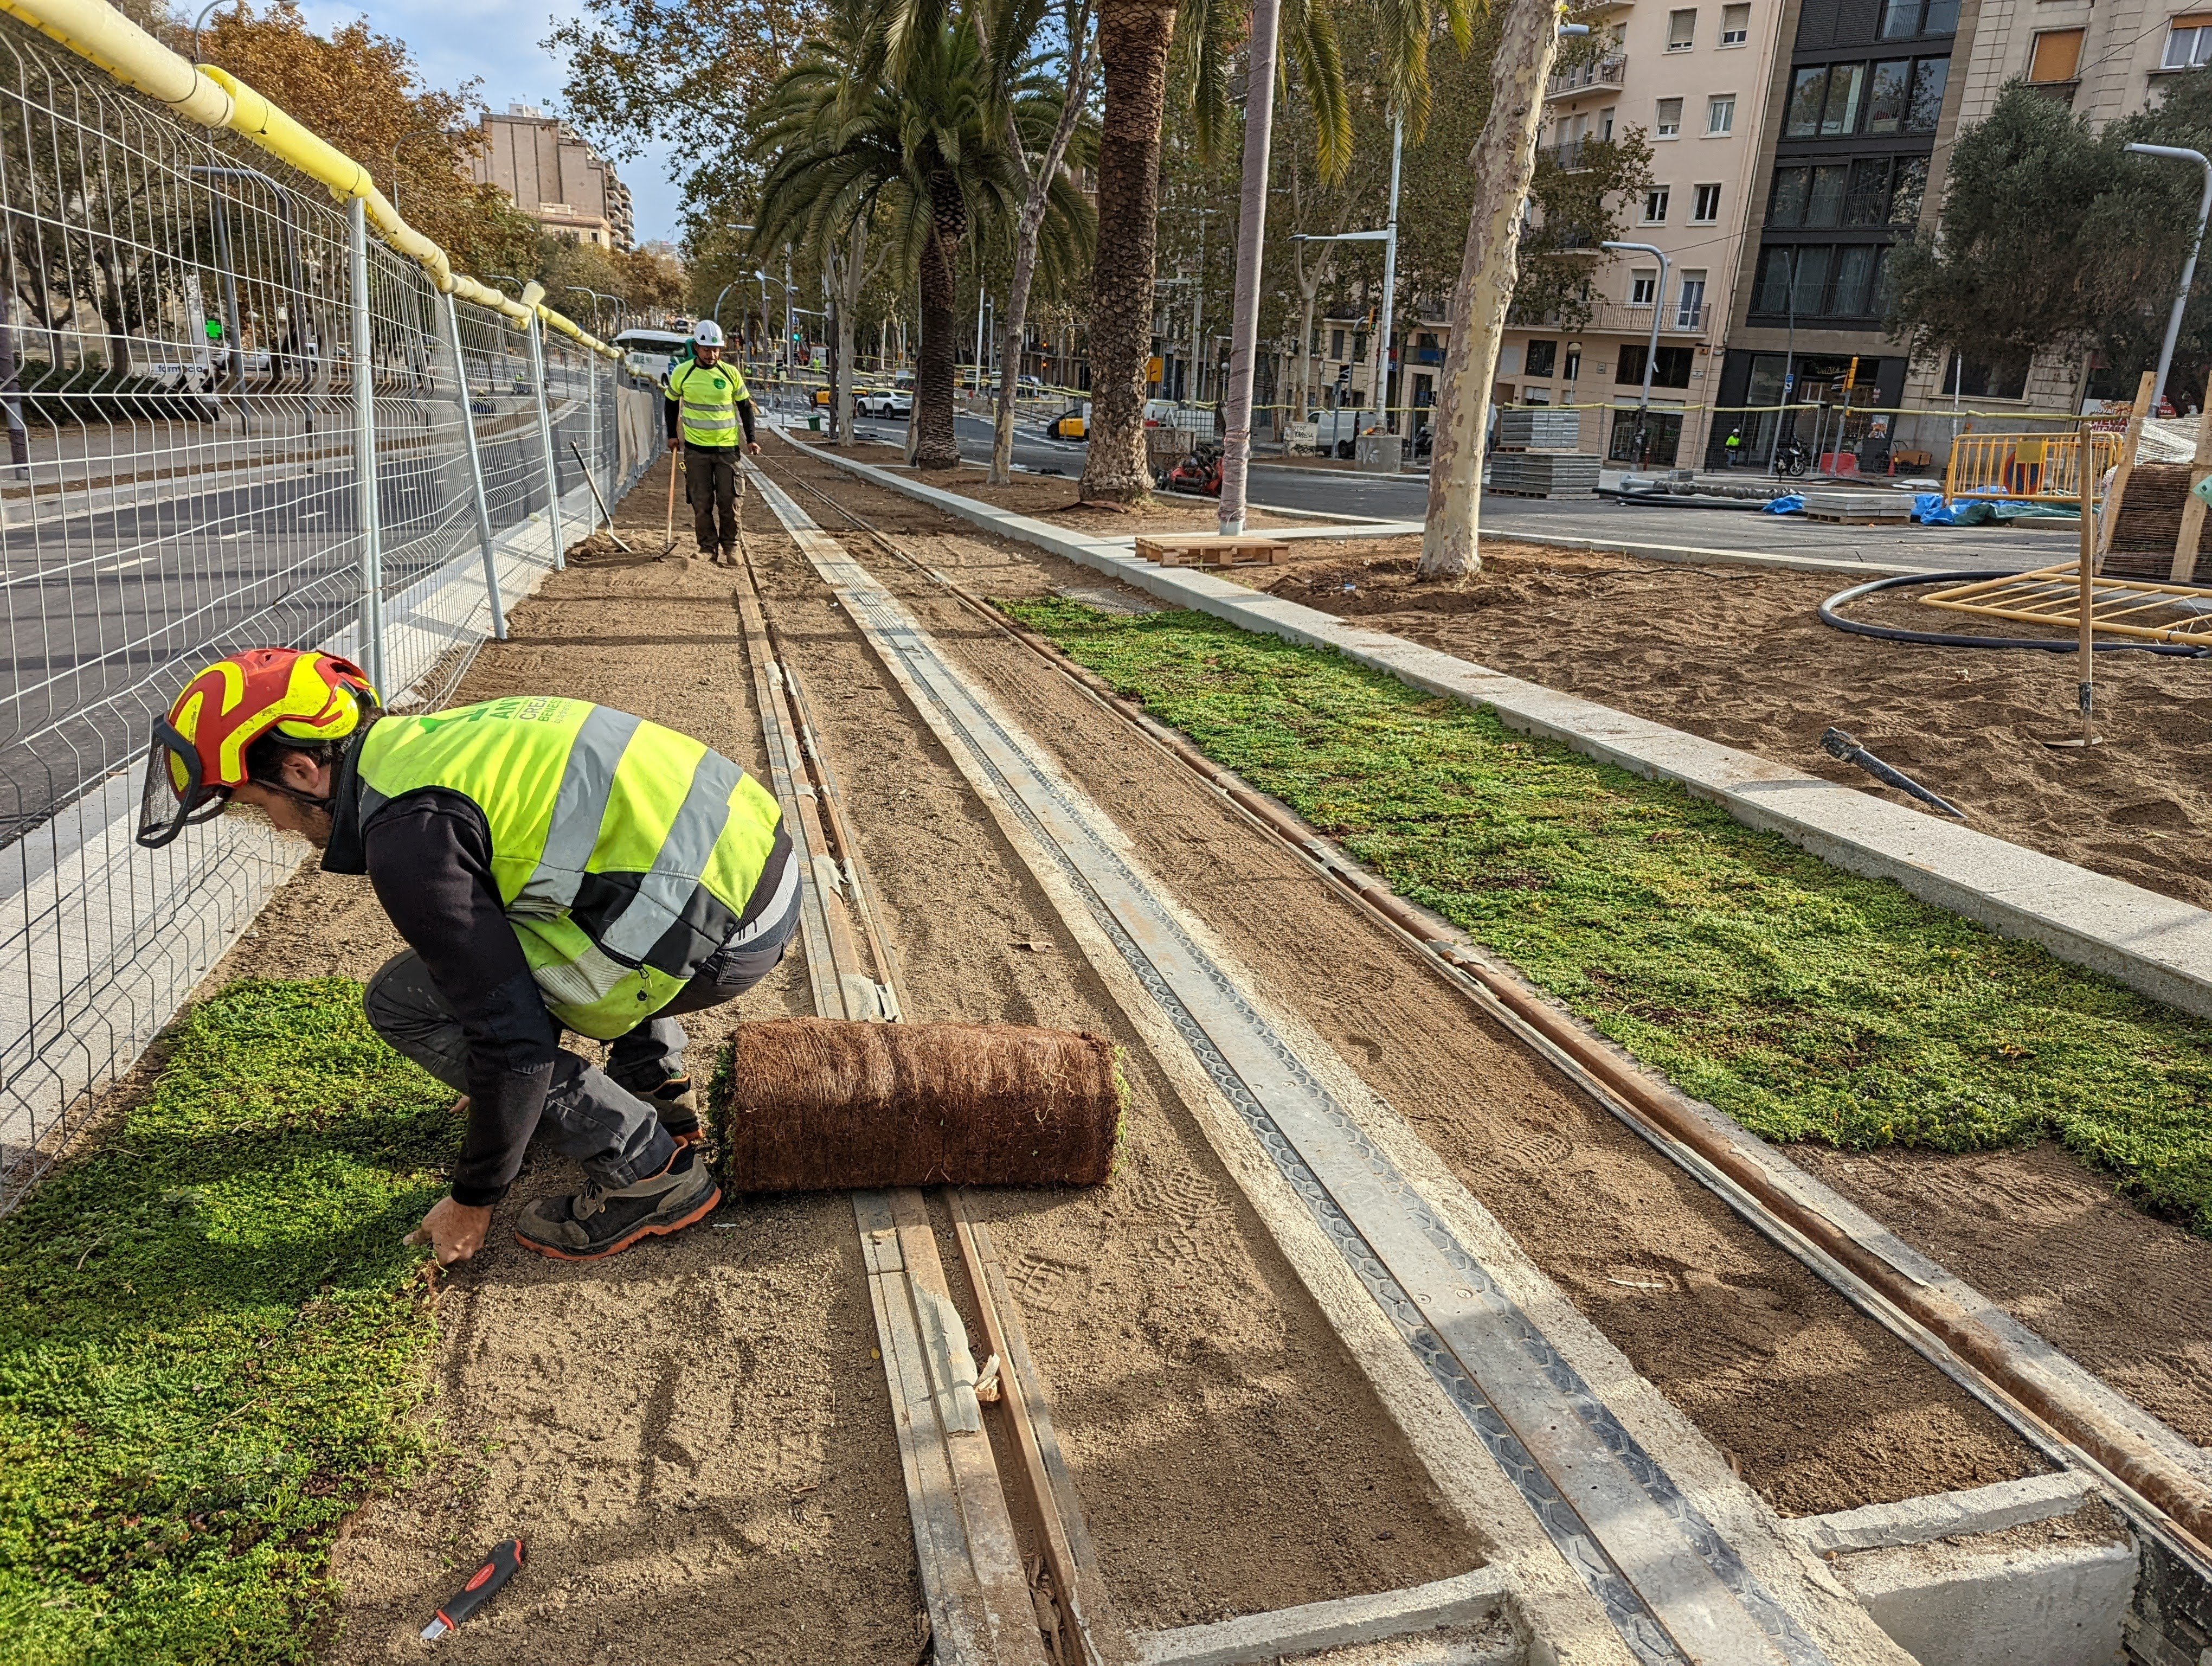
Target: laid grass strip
212,1337
1808,1003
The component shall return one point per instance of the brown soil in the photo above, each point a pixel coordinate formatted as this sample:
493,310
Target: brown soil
1822,1410
1736,655
695,1438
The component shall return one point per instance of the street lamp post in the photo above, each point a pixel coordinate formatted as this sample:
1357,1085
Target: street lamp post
1651,351
2174,153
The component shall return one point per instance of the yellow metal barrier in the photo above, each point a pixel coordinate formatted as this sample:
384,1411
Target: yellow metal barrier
2026,466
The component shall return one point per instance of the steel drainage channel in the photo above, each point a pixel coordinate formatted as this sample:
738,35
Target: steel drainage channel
1672,1587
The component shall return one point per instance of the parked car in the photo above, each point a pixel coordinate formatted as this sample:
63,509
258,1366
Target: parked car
1072,424
884,401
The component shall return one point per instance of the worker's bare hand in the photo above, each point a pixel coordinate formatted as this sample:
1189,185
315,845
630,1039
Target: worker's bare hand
673,444
752,448
453,1231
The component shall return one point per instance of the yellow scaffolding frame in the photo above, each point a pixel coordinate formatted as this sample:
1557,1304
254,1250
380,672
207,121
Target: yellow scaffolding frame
2053,596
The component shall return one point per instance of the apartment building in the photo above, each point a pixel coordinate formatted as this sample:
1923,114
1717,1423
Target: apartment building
1696,79
555,177
2104,61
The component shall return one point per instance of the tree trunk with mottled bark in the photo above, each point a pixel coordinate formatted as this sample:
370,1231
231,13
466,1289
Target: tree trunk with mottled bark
937,441
1133,37
1504,159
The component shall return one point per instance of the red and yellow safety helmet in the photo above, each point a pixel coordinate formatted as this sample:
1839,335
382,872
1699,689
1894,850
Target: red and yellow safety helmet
197,758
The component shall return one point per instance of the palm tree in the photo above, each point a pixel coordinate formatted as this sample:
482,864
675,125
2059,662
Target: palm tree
1135,41
891,116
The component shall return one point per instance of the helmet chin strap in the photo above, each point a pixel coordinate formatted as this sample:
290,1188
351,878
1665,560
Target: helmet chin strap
305,801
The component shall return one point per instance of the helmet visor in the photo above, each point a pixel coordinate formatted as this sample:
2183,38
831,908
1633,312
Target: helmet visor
174,796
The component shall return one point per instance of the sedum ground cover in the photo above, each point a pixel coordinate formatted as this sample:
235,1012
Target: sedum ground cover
1808,1003
211,1339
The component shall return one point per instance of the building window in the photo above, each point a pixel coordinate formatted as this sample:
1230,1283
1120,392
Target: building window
1541,356
1866,201
1359,345
1852,281
1705,206
1682,31
1655,206
1887,96
1690,306
2007,381
1928,76
1896,95
1823,203
1670,120
2056,56
1605,123
1736,25
2189,43
1641,287
1906,188
1670,369
1336,343
1720,114
1903,19
1840,114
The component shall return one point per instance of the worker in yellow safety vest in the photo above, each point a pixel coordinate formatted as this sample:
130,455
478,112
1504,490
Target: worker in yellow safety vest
552,865
707,399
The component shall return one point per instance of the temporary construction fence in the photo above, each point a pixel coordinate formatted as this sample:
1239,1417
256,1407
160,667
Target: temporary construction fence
238,413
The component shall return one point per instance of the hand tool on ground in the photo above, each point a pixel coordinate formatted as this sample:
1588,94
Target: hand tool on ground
483,1585
1837,744
599,500
675,464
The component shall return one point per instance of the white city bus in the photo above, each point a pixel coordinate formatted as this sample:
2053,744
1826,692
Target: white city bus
647,354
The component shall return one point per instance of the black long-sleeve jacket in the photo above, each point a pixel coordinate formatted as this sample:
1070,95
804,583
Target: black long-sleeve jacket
429,854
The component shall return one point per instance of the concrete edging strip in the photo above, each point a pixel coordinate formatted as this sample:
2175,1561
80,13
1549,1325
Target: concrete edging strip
2157,945
1944,1515
1464,1599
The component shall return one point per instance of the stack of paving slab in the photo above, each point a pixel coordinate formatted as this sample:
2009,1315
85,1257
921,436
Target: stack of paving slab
1862,508
1535,455
1543,474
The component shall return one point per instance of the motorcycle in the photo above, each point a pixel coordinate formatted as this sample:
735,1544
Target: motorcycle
1791,457
1201,472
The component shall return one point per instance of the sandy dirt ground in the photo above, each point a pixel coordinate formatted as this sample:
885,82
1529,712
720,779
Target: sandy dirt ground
1736,655
695,1438
1821,1411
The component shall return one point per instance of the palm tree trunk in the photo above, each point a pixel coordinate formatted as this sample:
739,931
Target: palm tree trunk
1504,159
1133,36
937,440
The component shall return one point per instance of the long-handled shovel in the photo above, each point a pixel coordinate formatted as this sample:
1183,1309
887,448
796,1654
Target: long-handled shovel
675,462
598,501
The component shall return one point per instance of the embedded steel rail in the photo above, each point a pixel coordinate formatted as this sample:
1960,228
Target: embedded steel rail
2066,1412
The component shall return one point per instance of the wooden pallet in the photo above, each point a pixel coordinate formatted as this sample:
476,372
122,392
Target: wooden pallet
1844,518
1212,549
1564,491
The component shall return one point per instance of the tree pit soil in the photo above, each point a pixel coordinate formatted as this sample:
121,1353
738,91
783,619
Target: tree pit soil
1821,1410
695,1437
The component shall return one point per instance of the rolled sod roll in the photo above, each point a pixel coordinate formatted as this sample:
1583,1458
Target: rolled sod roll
825,1104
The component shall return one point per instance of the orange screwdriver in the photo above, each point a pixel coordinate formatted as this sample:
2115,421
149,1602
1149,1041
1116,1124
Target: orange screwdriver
484,1584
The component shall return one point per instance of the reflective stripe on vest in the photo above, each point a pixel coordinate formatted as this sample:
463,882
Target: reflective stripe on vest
710,399
623,853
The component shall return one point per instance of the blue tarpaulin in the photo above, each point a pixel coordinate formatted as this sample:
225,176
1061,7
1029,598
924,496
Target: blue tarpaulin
1790,503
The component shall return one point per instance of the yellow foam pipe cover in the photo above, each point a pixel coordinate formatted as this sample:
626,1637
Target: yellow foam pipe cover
102,36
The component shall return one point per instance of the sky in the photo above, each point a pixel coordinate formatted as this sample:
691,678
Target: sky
497,41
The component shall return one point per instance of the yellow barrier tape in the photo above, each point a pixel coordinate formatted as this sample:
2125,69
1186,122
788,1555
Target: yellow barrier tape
111,42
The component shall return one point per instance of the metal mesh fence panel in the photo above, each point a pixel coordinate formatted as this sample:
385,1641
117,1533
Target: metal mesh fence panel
179,389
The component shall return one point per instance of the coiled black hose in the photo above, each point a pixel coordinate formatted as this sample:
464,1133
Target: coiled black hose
1829,615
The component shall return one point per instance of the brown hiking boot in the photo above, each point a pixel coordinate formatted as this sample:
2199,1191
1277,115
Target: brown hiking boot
602,1220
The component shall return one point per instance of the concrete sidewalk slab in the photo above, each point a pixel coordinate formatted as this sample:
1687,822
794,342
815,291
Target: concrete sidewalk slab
2154,944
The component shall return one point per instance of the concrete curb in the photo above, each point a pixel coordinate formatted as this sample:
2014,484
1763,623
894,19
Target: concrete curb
2158,946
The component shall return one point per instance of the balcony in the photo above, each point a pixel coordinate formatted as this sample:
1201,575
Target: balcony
1586,77
1673,320
1567,158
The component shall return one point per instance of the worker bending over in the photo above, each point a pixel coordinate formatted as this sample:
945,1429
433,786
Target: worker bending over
551,864
706,400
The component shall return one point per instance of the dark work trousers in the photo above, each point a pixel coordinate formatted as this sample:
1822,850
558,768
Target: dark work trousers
712,487
591,1114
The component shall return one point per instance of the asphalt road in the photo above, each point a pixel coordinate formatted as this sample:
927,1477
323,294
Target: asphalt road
99,606
1714,524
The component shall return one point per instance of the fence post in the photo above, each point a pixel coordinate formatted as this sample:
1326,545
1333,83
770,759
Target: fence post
365,511
545,435
476,472
592,431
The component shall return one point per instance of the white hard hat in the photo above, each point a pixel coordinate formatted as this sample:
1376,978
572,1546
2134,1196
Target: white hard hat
707,333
